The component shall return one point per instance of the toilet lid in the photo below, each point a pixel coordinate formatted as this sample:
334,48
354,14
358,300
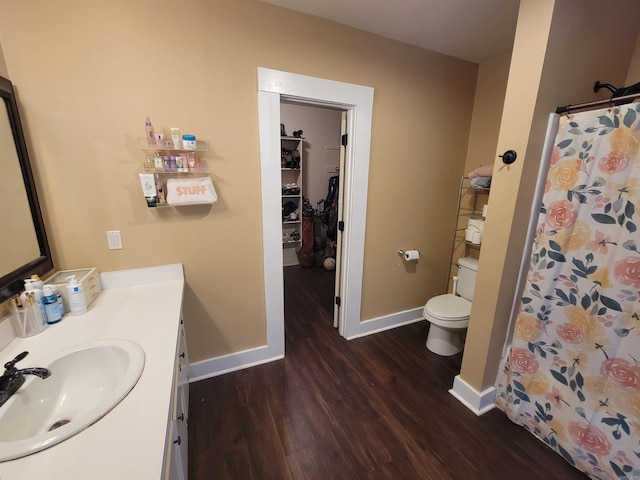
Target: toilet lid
449,306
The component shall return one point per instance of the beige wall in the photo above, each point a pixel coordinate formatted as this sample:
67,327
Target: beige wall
3,66
89,72
560,49
483,137
633,75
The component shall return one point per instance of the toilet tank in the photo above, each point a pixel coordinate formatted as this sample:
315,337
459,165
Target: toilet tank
467,271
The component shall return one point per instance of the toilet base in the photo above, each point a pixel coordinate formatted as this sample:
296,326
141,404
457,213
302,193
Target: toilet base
445,341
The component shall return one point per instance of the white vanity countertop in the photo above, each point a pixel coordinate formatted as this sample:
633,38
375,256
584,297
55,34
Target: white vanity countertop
129,442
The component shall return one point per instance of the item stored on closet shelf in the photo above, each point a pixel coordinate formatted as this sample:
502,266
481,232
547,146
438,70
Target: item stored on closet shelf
191,191
159,136
27,319
189,142
51,308
88,278
151,137
175,137
75,295
148,183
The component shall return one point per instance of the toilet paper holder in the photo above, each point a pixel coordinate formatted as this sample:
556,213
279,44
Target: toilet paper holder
409,255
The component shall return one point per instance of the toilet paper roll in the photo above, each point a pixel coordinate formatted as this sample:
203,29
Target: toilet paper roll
484,211
476,224
410,255
468,234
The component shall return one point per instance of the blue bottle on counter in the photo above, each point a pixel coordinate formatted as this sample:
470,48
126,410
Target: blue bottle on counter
51,307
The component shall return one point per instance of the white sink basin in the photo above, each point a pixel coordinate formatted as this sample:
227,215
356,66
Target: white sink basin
86,382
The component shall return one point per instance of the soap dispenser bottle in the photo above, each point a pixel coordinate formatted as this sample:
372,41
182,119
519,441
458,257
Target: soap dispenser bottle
75,294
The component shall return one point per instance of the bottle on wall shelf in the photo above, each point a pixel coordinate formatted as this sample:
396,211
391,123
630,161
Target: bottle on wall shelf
75,294
151,136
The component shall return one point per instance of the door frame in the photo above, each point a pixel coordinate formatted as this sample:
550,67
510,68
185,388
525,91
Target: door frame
357,100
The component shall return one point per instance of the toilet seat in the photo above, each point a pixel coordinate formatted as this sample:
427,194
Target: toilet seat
447,310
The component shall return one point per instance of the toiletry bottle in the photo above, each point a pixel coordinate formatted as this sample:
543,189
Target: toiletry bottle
50,302
157,162
175,138
149,165
75,294
30,290
59,300
151,136
159,189
39,284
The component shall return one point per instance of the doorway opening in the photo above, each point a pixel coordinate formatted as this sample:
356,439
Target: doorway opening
313,158
358,102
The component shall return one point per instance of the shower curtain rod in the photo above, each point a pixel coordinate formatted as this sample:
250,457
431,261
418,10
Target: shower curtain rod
598,103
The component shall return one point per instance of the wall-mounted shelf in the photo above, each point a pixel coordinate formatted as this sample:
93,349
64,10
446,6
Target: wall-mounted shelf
201,146
165,162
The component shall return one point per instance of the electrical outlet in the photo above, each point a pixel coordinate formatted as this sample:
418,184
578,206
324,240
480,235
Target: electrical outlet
114,240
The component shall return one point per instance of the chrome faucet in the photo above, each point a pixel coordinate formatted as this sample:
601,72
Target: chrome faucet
12,379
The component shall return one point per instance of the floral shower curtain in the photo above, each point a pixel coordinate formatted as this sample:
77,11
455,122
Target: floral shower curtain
571,375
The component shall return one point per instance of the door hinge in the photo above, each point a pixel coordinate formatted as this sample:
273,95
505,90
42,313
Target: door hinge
341,226
338,301
345,139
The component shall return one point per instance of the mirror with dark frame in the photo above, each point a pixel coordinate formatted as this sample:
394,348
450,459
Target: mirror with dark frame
24,249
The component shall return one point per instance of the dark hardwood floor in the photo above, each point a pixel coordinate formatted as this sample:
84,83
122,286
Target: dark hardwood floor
377,407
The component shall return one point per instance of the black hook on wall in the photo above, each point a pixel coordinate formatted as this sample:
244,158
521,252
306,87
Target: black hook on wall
509,156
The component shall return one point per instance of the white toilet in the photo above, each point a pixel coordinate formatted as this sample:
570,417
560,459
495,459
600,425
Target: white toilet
449,313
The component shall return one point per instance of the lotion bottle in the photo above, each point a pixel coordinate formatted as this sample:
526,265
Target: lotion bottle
75,294
50,302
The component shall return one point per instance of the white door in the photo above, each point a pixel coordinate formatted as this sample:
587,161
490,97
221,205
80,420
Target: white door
338,320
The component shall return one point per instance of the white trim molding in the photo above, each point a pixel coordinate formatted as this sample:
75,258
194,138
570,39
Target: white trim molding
478,402
214,367
386,322
358,101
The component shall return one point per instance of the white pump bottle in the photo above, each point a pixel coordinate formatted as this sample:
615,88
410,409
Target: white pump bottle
75,295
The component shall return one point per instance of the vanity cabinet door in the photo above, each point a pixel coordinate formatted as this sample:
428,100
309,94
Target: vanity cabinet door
177,450
182,413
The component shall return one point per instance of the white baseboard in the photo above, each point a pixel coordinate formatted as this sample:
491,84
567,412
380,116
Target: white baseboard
478,402
214,367
387,322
